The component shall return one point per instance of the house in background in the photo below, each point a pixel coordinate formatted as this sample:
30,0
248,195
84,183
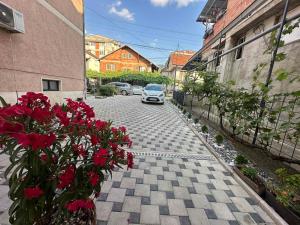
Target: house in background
92,61
46,53
236,21
175,63
126,59
100,45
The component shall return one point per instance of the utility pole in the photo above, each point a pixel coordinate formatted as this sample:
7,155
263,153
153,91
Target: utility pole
176,52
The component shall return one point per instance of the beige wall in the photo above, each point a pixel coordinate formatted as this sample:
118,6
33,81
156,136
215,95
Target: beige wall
52,48
241,70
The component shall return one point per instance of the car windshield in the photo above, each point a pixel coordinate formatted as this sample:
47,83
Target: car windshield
153,88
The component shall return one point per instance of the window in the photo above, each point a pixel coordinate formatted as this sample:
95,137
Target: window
218,60
124,56
110,67
239,51
102,51
129,56
50,85
142,69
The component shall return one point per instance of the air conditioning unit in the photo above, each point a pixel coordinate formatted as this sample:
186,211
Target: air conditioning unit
11,19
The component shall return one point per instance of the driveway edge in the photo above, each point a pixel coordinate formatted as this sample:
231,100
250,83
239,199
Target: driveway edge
268,209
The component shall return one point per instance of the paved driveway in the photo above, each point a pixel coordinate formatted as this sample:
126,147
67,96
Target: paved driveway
175,181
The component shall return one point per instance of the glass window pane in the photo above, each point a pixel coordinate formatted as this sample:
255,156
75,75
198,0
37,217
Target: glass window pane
45,85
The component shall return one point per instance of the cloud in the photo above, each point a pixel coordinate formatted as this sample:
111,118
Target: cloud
121,12
154,42
160,3
179,3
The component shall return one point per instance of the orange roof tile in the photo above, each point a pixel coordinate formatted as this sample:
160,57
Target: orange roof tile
180,58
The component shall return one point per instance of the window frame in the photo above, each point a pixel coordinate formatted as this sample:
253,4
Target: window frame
58,85
239,52
110,67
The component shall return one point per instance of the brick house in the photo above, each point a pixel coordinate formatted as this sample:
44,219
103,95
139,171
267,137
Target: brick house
175,63
48,56
230,23
126,59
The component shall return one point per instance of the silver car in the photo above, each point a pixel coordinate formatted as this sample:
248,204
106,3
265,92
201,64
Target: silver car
153,93
137,90
123,88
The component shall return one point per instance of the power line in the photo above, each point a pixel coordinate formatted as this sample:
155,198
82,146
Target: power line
160,37
109,20
150,27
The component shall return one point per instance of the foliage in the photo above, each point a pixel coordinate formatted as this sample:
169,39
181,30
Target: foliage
189,115
219,139
250,172
241,160
106,90
288,191
132,77
196,120
183,110
59,157
204,129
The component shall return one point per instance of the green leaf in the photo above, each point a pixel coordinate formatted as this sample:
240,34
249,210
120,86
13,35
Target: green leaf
3,102
281,74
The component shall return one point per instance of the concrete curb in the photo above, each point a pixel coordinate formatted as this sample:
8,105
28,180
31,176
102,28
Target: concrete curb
268,209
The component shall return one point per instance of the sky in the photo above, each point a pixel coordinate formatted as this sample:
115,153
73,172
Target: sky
154,28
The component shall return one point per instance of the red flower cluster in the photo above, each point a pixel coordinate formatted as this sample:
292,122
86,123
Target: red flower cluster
75,205
93,178
33,192
67,177
129,160
35,100
35,141
101,157
80,109
79,150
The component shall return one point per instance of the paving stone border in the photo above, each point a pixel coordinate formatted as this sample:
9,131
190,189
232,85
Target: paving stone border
268,209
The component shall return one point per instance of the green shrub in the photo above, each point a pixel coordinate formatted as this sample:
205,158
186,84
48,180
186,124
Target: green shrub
249,172
190,115
241,160
184,111
204,129
106,90
219,139
196,120
288,190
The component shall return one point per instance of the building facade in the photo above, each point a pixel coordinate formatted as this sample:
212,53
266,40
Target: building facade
126,59
49,56
232,22
100,45
175,63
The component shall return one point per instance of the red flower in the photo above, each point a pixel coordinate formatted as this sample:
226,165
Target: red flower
93,178
127,140
35,100
35,141
75,205
94,140
122,129
15,110
7,127
33,192
61,115
79,150
66,177
129,160
41,115
100,158
100,124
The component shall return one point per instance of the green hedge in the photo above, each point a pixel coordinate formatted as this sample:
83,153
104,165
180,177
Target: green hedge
134,78
106,90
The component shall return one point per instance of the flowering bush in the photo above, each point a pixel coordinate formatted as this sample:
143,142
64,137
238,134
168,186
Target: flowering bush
59,157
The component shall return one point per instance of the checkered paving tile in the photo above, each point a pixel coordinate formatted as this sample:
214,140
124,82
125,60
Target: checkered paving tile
175,180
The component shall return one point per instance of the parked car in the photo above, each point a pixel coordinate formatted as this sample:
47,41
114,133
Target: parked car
123,88
137,90
153,93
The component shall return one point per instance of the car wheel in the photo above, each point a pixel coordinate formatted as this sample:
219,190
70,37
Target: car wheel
124,92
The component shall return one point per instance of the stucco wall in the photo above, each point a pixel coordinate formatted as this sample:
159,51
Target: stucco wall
52,47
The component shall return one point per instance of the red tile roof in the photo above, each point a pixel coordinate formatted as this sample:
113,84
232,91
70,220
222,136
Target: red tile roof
180,58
